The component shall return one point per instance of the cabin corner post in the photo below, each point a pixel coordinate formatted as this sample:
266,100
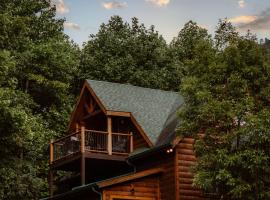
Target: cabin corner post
109,124
82,156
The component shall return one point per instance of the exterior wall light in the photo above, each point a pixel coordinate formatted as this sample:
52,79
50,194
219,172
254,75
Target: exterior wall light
169,150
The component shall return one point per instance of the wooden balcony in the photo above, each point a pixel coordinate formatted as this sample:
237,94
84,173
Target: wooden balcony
91,141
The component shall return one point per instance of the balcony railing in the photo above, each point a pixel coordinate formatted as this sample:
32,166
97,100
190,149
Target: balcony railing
96,141
91,141
121,143
65,146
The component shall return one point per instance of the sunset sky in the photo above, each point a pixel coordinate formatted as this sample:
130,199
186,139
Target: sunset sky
83,17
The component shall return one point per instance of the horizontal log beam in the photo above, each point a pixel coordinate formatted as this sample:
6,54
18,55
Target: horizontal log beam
91,115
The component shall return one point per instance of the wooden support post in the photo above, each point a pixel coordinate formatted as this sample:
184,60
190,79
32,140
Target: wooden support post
51,152
50,182
109,126
77,127
83,156
83,169
83,139
131,142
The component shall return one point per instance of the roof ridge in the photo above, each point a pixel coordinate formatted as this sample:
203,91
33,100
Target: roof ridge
152,108
135,86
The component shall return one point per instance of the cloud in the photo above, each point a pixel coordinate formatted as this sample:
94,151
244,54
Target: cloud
243,19
61,7
114,5
159,3
204,26
260,22
70,25
241,3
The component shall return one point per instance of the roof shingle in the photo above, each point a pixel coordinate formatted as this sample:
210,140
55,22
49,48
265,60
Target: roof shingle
153,109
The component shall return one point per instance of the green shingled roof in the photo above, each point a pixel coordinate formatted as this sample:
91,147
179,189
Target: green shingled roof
153,109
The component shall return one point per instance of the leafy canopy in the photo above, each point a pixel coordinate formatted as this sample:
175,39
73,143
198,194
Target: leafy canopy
227,101
126,53
38,66
225,82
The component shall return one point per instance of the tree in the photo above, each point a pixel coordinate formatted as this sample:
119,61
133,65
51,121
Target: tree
228,102
225,34
46,61
126,53
266,47
190,51
38,68
22,166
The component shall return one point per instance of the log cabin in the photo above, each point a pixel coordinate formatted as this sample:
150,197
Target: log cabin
122,145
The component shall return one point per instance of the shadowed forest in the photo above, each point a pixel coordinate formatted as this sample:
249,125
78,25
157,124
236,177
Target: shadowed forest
224,78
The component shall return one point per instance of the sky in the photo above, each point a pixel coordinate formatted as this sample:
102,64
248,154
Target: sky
83,17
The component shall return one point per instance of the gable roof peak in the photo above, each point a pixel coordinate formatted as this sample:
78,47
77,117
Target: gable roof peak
153,109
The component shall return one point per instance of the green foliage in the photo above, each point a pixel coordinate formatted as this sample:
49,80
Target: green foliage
188,40
46,61
23,136
228,101
189,52
225,81
38,69
266,48
126,53
225,34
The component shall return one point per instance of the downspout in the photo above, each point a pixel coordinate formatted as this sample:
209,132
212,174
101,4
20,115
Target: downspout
97,192
132,165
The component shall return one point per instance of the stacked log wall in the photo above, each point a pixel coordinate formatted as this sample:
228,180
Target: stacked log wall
184,160
167,178
145,187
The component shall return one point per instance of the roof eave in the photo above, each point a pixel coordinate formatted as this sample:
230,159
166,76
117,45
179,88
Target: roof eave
149,152
156,149
71,192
